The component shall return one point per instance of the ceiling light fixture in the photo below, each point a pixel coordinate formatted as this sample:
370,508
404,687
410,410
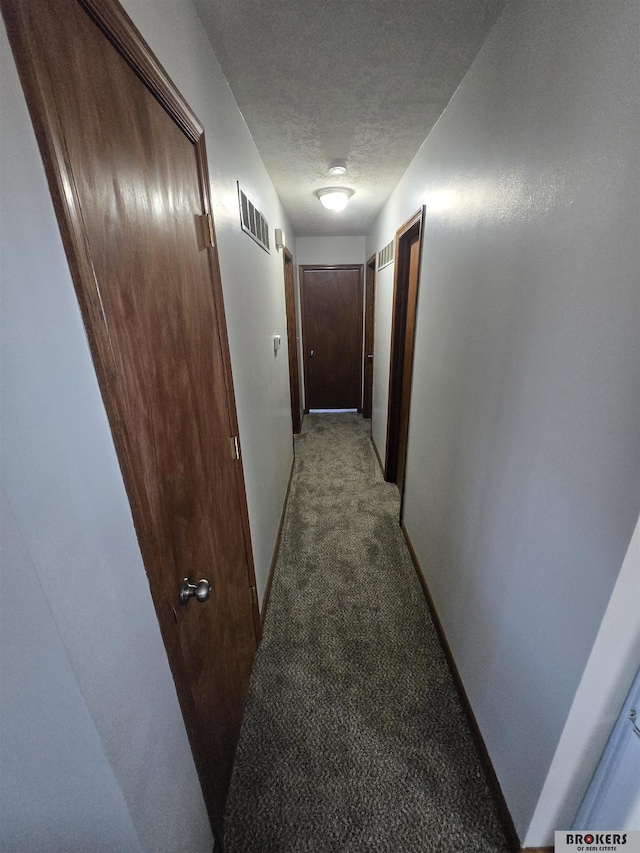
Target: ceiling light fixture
334,198
337,169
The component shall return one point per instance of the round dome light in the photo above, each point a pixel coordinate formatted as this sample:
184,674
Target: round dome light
334,198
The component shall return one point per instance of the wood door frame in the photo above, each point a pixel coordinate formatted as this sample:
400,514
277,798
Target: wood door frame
301,271
292,340
401,331
120,31
369,335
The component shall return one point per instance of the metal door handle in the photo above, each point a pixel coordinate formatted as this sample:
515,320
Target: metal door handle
201,590
310,353
370,357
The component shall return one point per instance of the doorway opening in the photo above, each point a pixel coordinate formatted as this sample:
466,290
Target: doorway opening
408,252
292,339
369,336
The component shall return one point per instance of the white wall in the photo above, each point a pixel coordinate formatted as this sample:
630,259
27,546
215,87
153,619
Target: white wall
522,489
74,803
605,683
330,250
66,499
382,349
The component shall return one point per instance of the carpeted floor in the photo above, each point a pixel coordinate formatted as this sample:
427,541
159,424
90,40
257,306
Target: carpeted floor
354,739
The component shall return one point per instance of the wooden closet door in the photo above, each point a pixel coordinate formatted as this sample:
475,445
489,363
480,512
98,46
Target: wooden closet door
332,336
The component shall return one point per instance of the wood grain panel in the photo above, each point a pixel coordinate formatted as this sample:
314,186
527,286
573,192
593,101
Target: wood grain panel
332,336
113,19
407,357
369,336
405,295
292,341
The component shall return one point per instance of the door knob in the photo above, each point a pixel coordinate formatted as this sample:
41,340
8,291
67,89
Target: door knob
370,357
201,590
311,353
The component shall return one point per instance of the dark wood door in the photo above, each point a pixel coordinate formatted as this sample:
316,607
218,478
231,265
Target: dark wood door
369,336
292,341
331,300
405,298
130,187
407,357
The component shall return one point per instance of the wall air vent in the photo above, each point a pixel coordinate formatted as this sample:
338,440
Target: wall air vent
252,221
385,256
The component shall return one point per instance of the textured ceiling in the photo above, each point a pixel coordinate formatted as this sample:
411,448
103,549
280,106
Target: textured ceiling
356,80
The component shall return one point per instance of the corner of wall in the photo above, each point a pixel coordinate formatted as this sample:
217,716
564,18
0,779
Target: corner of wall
609,672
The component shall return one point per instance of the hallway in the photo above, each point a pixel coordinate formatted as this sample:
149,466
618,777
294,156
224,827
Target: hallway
516,141
354,738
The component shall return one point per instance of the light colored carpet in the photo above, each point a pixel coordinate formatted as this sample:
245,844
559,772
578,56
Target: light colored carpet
354,739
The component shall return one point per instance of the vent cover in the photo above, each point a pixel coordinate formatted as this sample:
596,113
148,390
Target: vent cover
252,221
385,256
